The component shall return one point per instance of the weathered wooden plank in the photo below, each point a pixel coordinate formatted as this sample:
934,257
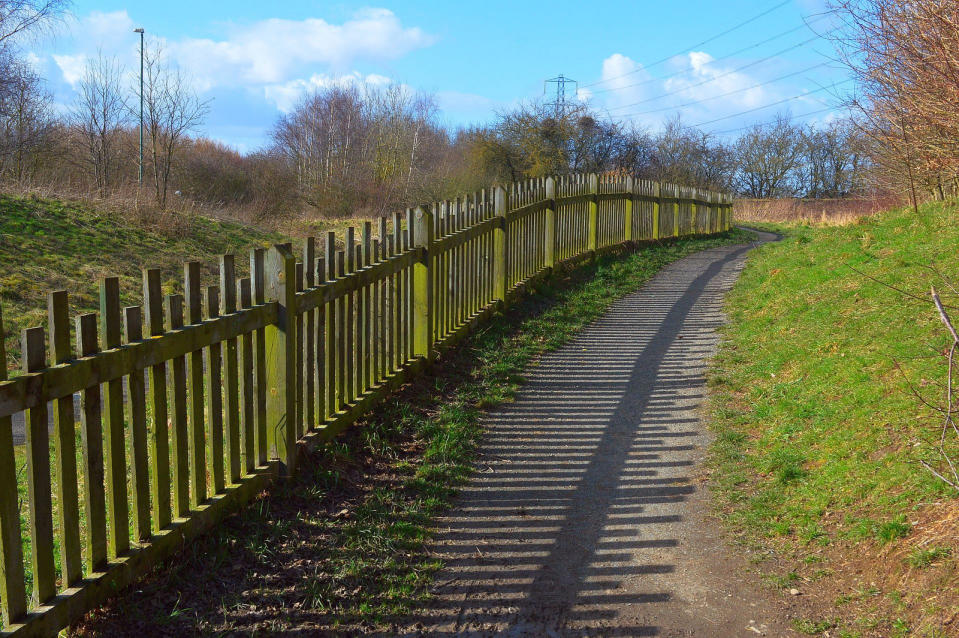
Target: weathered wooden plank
376,369
13,596
258,283
194,311
159,436
364,332
299,344
422,287
114,445
341,328
281,370
309,337
320,361
91,437
39,488
180,435
331,327
214,389
137,417
230,361
349,326
65,443
247,391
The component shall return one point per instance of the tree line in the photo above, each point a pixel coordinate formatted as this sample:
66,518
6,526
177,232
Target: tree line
361,149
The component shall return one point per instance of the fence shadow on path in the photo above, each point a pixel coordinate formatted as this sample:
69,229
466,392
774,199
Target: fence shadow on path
573,522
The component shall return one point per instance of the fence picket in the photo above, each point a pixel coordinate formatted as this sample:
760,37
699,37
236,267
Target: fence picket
65,443
13,597
38,476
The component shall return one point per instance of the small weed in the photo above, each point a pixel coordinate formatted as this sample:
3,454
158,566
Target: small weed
813,627
921,558
892,530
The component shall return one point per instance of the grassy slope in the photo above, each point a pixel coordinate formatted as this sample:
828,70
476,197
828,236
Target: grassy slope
345,547
818,433
47,245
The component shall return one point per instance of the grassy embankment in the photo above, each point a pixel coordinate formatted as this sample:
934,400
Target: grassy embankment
47,244
344,547
816,464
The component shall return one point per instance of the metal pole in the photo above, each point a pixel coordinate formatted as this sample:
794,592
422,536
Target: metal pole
140,171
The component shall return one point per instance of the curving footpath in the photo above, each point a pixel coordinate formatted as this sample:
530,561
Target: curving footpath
587,513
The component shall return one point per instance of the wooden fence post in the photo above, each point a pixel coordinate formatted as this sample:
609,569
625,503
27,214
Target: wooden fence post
674,191
281,362
550,238
657,206
693,217
593,213
422,236
194,310
39,489
628,210
114,444
13,597
500,246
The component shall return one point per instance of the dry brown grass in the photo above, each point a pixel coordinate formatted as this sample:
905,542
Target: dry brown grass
826,212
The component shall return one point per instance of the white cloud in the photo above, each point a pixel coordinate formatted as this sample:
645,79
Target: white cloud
695,86
105,28
705,80
71,67
265,53
270,51
623,78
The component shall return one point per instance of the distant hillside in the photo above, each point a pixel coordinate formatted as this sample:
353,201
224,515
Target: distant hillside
50,245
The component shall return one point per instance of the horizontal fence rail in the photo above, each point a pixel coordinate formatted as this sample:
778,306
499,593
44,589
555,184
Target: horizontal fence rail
190,404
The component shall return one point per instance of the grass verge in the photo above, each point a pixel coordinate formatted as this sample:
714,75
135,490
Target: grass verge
48,244
344,547
819,437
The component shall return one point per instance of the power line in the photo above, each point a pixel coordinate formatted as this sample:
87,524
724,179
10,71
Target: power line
699,44
749,126
727,94
788,99
719,59
717,77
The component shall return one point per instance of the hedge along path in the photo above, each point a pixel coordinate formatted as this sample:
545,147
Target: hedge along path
346,329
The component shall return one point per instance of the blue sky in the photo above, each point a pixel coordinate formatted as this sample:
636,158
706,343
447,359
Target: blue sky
254,59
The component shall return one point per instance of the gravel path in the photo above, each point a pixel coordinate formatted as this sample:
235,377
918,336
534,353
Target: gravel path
587,514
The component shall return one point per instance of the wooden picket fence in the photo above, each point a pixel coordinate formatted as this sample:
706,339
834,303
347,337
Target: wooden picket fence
193,403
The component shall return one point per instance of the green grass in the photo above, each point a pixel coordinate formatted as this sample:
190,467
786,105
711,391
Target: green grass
816,426
49,245
819,436
345,546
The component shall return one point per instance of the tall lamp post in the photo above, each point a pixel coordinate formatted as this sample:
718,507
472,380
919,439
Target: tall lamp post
140,172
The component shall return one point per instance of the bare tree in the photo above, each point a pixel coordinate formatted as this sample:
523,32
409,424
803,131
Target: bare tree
767,156
21,16
905,58
25,121
99,114
360,147
171,110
